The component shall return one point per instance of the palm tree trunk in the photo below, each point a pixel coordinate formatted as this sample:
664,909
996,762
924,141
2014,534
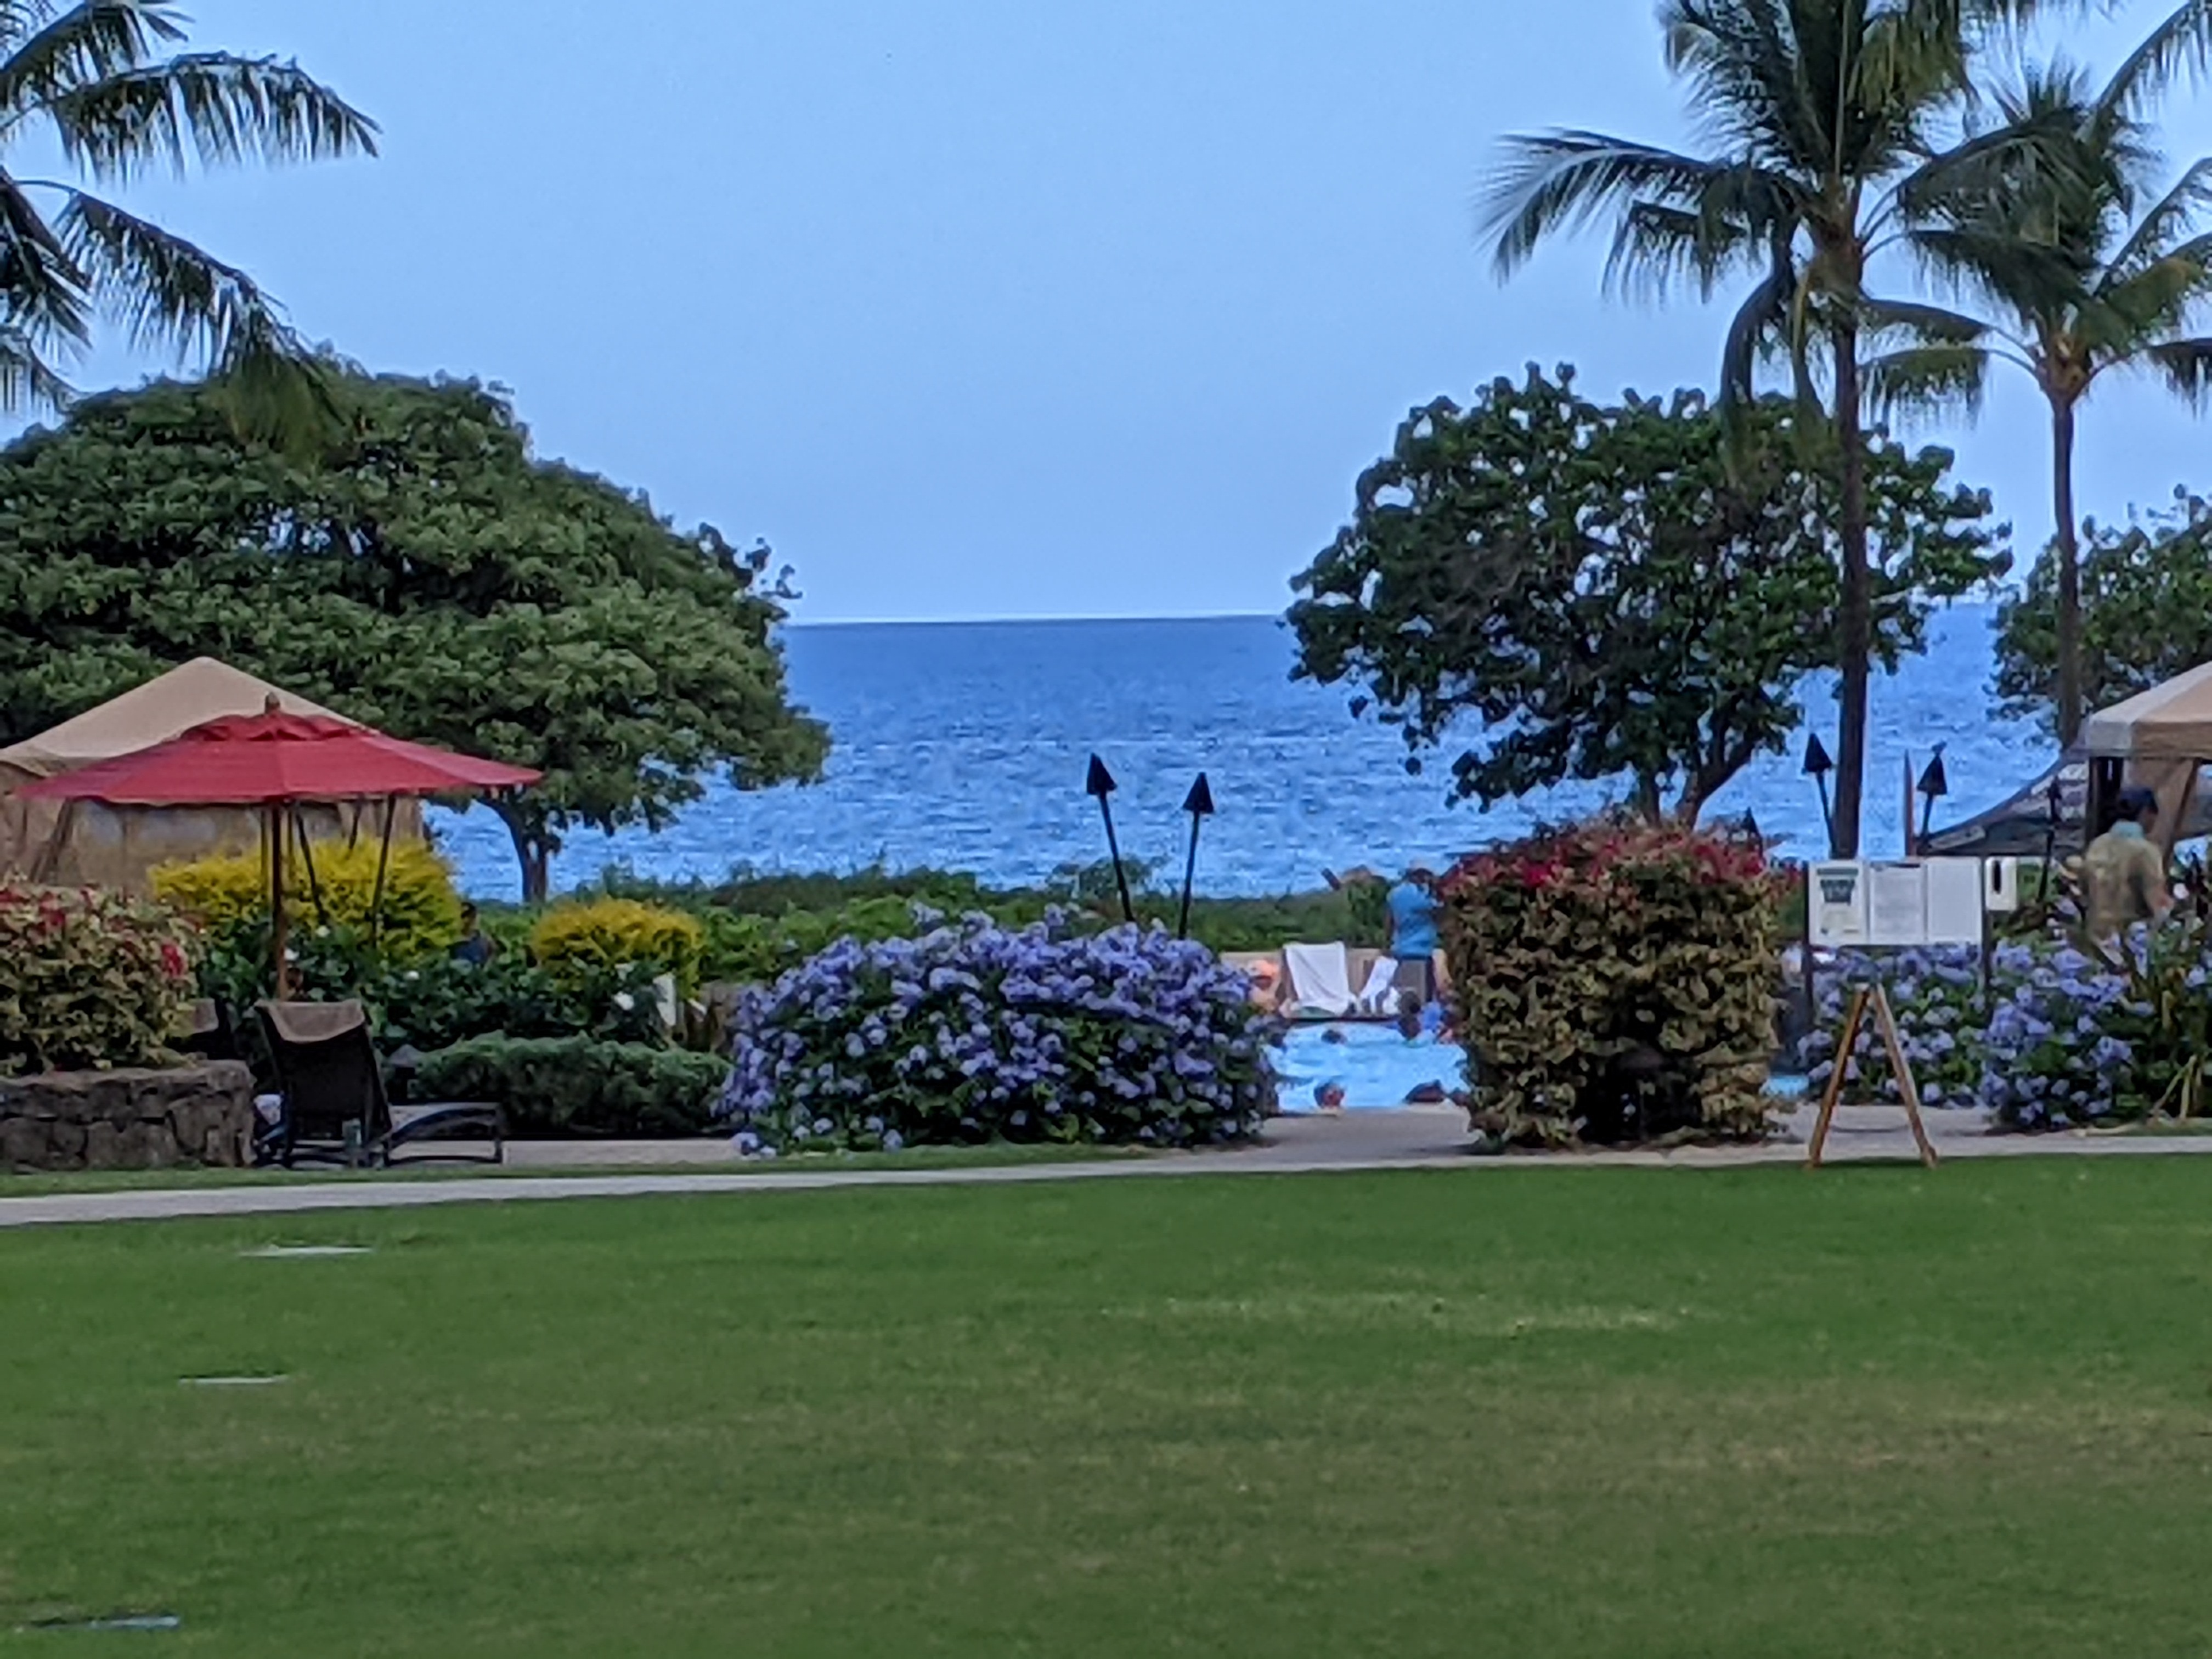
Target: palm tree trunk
1856,619
2070,574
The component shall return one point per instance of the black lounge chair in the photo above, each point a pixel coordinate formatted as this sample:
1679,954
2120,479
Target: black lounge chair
335,1105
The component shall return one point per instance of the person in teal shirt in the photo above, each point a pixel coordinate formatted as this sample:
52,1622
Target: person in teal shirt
1412,904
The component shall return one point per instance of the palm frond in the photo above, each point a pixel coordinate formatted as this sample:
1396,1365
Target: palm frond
2187,366
42,286
167,292
1761,321
2174,213
1928,382
218,107
1551,182
1905,324
2038,151
86,43
2027,275
27,381
2183,42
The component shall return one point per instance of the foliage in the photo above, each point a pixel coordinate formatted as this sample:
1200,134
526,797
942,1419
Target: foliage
88,980
2055,1055
2147,612
759,927
976,1032
576,1085
1831,128
433,1002
1616,982
430,576
2086,269
1936,996
420,912
105,85
1610,593
606,934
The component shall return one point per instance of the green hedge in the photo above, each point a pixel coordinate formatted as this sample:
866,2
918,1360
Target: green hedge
576,1085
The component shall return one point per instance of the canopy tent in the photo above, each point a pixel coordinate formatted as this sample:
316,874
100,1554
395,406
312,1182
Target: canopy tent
93,843
2160,739
2023,825
277,762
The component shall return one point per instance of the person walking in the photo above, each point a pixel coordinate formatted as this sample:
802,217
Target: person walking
1413,943
2124,878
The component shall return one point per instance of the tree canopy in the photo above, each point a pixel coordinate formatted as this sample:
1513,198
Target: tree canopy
430,576
2147,612
1616,592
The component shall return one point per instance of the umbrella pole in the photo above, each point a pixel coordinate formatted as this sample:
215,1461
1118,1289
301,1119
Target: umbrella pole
307,859
383,865
274,831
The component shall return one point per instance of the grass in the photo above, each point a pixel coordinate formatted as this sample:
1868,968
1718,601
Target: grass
1529,1413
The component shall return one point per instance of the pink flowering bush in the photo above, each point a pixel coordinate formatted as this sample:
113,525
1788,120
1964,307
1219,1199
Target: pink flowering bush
89,980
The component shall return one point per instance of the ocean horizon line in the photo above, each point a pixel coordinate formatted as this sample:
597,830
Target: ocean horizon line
811,622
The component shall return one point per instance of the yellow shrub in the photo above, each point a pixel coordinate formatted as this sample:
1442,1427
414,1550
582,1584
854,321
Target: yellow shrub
612,932
422,911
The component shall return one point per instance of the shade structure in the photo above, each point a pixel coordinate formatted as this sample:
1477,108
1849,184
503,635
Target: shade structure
279,761
277,758
2169,722
87,843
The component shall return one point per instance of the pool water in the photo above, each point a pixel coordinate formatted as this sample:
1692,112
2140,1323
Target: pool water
1376,1066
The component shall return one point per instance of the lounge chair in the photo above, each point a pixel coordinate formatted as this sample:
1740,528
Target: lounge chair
335,1105
206,1031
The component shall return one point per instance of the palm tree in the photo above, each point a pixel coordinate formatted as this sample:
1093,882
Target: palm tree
107,83
1831,120
2082,282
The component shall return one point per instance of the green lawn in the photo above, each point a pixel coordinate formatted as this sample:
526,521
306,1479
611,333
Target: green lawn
1499,1412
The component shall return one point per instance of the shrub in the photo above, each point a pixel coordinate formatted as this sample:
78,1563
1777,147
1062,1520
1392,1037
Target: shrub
89,980
1616,982
606,935
421,910
1936,996
973,1032
576,1085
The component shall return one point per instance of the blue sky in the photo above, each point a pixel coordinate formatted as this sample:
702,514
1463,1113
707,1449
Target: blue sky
997,308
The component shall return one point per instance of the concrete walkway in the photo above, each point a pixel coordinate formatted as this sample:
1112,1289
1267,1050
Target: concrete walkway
1412,1138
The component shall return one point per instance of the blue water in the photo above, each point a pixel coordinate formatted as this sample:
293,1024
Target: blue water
962,746
1374,1065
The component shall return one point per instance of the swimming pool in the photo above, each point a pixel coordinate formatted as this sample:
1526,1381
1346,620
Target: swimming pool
1376,1066
1379,1068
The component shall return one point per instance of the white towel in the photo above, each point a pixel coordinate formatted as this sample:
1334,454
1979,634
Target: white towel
1321,976
1378,996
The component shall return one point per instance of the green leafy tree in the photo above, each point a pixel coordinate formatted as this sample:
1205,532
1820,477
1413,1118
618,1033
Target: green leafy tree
432,578
1830,119
2080,278
107,84
2147,612
1607,594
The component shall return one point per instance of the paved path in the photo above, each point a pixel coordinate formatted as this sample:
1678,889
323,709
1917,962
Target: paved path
1407,1139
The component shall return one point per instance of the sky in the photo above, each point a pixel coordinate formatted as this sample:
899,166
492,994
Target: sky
1001,307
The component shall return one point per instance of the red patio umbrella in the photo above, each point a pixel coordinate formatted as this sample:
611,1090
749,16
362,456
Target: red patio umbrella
279,761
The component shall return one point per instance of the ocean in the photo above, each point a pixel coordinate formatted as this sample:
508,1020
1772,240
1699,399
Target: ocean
962,746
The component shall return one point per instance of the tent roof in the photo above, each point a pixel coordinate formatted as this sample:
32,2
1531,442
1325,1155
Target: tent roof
2172,721
201,690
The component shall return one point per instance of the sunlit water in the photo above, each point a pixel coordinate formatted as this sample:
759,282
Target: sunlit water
962,745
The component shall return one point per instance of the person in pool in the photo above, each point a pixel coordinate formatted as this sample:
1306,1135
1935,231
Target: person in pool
1412,945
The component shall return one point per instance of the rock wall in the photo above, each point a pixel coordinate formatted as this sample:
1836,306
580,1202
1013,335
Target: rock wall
128,1119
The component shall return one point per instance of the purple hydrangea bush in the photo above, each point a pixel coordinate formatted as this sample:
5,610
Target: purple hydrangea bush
2060,1049
1937,994
974,1032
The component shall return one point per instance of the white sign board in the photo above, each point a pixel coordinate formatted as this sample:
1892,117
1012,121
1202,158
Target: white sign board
1918,902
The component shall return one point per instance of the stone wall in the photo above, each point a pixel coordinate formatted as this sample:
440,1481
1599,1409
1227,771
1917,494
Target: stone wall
128,1119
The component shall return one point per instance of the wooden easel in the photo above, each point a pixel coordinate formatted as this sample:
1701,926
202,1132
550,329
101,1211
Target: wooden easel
1876,996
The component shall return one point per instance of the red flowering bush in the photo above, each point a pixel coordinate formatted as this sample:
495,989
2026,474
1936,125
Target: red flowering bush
89,980
1615,982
